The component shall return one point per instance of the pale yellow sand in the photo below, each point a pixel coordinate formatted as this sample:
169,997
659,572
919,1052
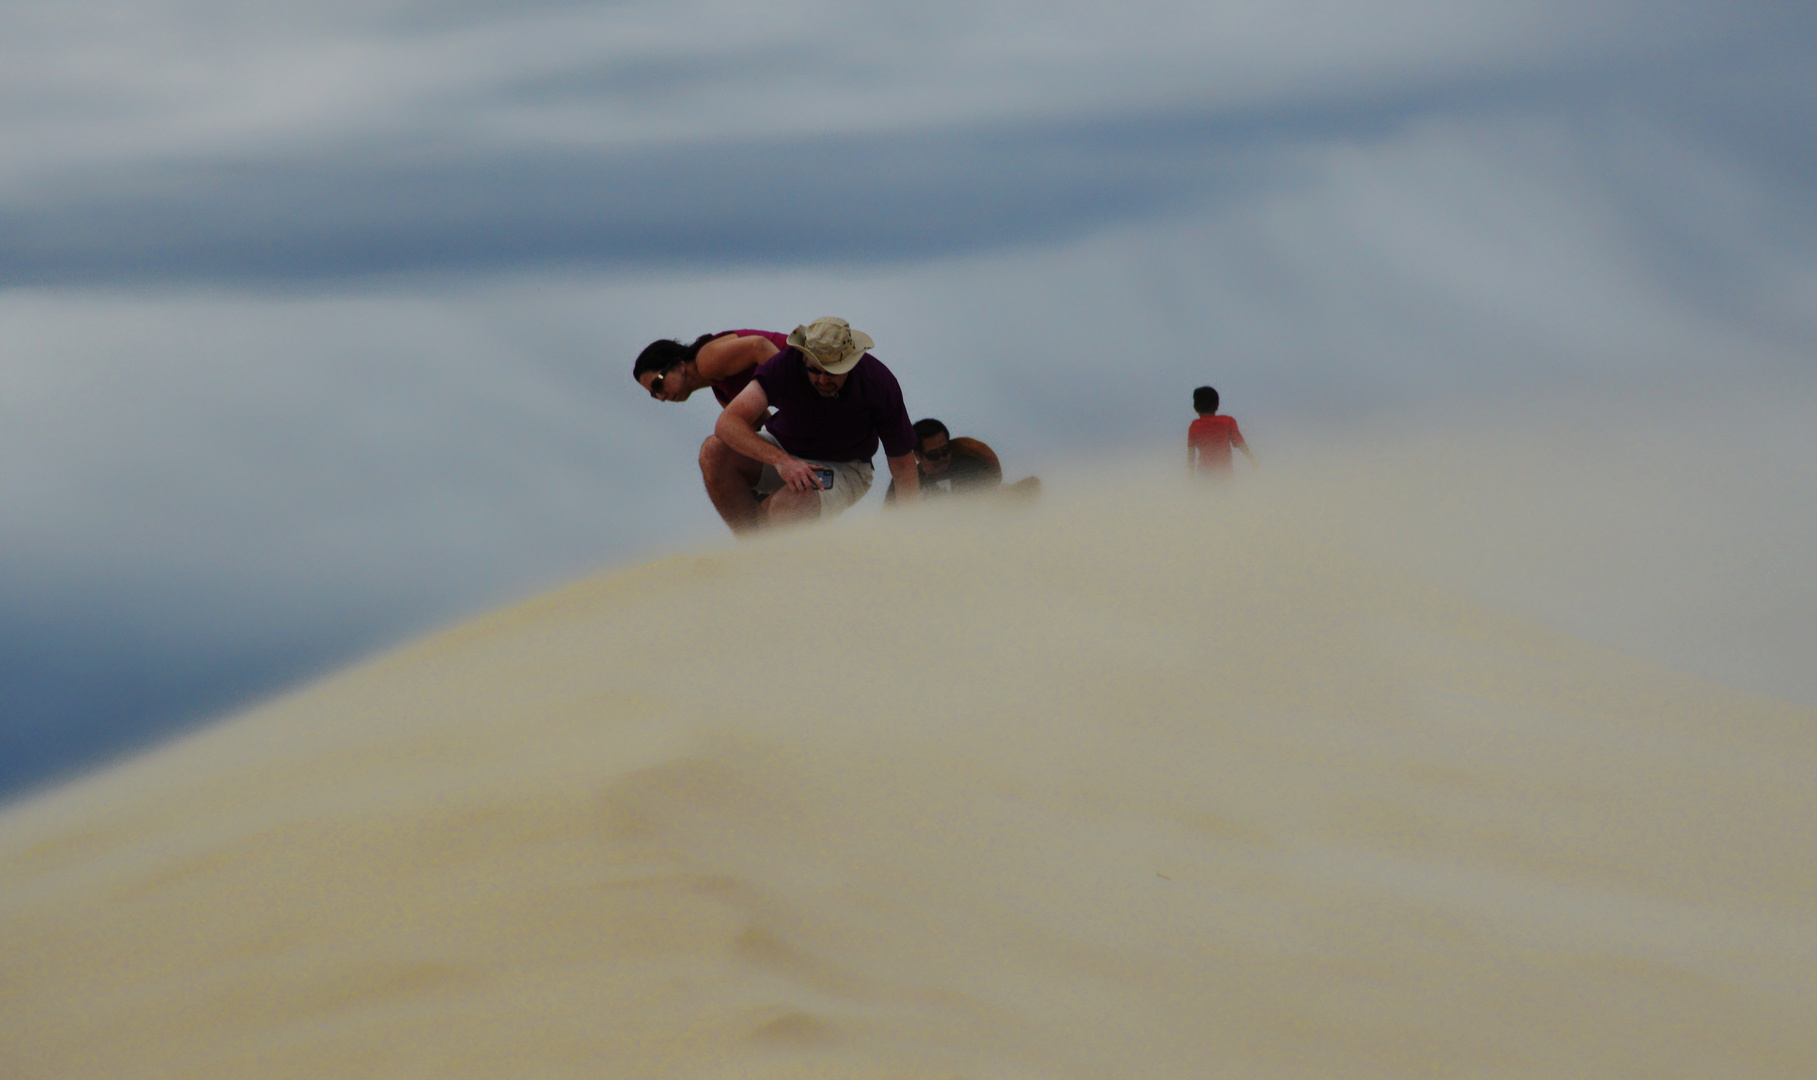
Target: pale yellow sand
1156,784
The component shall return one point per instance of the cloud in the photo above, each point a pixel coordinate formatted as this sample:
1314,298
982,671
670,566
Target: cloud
397,456
386,212
99,79
366,212
319,318
312,149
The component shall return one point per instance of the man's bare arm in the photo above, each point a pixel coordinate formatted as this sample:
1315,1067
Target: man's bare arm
724,357
737,428
907,478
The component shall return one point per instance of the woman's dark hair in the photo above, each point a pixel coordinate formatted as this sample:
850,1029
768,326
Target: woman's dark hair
660,356
1205,400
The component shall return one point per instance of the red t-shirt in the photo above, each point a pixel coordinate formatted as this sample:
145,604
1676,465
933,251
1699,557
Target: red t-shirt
728,388
1212,437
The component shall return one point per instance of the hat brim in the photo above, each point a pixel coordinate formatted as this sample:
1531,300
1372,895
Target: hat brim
861,344
843,366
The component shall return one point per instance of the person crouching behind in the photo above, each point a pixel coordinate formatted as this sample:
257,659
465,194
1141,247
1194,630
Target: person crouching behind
961,466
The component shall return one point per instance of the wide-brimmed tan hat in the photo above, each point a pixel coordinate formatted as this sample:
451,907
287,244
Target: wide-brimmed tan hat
832,343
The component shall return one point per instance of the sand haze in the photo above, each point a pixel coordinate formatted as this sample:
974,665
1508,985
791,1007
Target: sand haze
1147,779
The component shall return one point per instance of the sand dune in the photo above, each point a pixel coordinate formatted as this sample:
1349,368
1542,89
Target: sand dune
1160,783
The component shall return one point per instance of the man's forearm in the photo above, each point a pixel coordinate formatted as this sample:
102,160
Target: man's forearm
907,478
741,437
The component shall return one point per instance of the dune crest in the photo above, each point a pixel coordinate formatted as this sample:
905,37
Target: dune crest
1103,787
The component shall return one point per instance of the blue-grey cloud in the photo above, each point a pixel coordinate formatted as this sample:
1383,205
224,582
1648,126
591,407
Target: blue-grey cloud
76,696
318,319
316,215
846,199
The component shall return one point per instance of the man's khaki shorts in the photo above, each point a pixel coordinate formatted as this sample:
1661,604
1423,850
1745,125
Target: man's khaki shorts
851,481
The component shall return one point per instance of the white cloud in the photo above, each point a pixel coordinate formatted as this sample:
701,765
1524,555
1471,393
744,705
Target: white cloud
98,81
433,448
212,470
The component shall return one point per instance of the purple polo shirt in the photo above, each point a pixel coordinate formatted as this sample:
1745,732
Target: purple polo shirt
868,409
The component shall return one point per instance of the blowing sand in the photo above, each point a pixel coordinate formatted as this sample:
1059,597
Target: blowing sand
1159,783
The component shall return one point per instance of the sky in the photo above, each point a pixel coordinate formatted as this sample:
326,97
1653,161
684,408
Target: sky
318,317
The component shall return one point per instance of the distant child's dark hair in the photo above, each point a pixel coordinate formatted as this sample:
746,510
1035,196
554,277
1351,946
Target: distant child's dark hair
1205,400
660,356
927,429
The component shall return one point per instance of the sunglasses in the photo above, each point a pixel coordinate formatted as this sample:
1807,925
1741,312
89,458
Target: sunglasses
940,453
656,384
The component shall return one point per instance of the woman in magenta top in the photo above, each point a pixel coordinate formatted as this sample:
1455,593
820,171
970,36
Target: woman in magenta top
671,371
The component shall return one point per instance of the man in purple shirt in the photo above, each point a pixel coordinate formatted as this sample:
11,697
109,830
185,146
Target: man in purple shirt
834,403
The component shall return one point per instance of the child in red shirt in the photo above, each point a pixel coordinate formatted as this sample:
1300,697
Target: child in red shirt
1209,439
